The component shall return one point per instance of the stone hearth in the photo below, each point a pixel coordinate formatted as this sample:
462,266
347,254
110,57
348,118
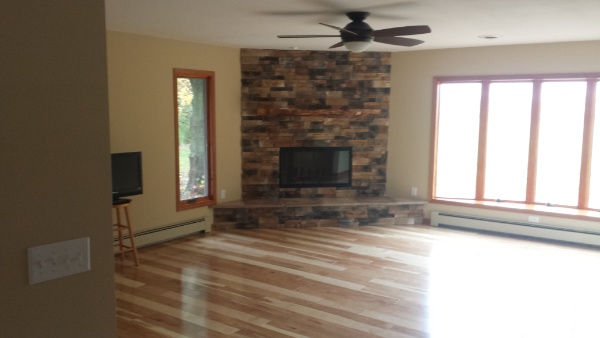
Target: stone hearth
317,212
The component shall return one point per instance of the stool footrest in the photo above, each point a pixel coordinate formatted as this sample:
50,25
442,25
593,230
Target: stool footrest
119,228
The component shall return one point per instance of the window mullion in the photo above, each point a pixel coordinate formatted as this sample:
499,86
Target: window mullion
586,151
434,141
533,141
483,127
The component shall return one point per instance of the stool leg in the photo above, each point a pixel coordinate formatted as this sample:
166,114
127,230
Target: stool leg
120,230
135,255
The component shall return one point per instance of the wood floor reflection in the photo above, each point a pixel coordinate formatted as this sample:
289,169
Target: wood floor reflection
377,281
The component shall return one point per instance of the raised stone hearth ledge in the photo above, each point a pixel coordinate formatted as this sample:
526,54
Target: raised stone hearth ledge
317,212
318,112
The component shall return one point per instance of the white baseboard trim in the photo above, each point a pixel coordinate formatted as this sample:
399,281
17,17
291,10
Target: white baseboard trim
169,232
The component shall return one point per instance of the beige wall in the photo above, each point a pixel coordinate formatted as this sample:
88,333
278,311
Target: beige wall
142,118
55,169
412,96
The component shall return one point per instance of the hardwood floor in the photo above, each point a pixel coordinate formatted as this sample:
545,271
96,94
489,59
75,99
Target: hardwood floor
376,281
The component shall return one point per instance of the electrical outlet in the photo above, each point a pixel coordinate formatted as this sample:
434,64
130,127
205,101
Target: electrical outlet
223,194
58,260
534,219
413,191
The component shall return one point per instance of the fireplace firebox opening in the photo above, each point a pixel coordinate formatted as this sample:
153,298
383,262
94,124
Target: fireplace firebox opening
303,167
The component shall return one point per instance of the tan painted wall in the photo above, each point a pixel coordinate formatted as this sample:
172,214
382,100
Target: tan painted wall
55,169
412,96
142,118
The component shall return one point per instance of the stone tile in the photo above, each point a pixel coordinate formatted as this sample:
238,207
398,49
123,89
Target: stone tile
341,201
303,212
264,203
291,202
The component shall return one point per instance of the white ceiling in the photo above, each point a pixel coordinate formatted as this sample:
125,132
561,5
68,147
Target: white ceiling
454,23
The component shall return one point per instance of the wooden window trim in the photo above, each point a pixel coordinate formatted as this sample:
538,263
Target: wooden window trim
586,151
534,136
210,199
537,79
482,148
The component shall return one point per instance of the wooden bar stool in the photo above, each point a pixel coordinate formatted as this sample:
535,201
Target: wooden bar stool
119,227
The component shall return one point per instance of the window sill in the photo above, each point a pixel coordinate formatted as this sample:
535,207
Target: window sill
533,209
199,203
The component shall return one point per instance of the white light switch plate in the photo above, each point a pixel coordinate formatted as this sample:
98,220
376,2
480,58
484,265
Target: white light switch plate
58,260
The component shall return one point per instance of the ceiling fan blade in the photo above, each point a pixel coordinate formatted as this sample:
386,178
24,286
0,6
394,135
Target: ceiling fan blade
308,36
339,44
398,41
406,30
338,28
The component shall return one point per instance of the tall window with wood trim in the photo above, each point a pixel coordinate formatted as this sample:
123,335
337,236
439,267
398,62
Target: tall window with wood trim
194,96
530,139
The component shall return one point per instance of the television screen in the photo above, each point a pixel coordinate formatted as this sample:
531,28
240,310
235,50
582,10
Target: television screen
126,175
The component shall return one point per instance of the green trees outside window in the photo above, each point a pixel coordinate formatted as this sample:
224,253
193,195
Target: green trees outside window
194,123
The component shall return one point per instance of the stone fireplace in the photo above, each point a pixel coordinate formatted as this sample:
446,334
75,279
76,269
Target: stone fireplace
314,99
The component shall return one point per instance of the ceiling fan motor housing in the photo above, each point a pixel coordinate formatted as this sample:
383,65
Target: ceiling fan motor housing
363,31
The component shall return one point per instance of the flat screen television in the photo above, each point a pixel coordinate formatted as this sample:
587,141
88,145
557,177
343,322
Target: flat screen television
126,175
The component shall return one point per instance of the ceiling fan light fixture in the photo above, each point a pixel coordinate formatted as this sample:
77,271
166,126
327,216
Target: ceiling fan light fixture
357,36
357,46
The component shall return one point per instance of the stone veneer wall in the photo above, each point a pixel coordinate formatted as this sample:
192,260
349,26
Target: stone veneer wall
313,99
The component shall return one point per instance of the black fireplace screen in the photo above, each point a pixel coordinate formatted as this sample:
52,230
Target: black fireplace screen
315,167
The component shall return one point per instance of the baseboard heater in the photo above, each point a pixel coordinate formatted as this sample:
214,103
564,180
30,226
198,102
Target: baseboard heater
516,228
169,232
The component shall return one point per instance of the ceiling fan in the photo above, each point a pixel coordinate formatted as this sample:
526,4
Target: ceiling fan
357,36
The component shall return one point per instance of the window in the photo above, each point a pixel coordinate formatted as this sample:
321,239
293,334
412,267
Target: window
525,139
195,137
